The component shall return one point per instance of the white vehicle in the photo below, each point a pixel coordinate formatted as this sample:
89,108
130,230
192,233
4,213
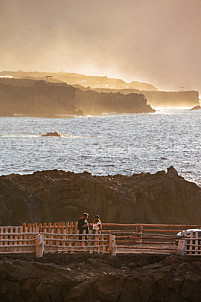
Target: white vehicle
189,231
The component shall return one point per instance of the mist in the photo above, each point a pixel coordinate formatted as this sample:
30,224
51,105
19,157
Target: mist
151,41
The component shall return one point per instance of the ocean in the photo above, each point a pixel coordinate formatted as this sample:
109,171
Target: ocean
104,145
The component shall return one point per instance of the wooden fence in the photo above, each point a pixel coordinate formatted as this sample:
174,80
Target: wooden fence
52,238
189,244
120,238
17,239
153,238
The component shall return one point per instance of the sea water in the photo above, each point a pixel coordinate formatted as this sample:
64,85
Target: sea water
104,145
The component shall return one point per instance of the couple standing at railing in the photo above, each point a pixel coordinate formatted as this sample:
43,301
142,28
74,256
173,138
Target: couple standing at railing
84,225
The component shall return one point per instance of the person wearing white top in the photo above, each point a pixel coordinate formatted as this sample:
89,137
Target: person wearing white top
97,226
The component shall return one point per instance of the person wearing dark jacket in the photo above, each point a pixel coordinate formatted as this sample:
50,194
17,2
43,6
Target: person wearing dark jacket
83,225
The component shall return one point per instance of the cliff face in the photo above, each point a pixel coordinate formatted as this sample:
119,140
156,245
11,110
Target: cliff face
52,196
162,98
38,98
91,102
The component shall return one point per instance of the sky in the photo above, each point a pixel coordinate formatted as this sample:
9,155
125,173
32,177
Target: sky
154,41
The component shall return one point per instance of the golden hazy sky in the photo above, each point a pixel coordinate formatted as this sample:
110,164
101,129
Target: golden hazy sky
156,41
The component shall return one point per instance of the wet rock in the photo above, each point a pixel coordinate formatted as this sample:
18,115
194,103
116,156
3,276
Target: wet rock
52,134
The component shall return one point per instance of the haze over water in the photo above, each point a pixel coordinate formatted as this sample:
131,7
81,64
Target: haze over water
117,144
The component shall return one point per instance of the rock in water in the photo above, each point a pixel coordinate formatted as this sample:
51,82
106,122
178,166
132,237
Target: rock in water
52,134
196,108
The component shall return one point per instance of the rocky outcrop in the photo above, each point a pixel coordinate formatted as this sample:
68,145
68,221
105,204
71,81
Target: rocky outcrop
52,134
196,108
83,277
51,196
41,98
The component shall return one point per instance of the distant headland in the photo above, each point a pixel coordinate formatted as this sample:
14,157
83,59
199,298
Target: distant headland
62,94
40,98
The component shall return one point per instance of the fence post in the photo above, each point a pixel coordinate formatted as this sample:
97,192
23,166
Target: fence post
112,245
39,245
196,243
181,247
191,247
140,229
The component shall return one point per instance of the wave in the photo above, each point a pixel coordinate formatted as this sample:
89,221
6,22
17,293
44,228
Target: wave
20,135
40,135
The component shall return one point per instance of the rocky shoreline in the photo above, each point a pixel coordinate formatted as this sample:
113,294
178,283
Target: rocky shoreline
100,278
56,195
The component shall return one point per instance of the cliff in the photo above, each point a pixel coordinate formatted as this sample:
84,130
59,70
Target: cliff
91,102
104,84
161,98
36,98
39,98
51,196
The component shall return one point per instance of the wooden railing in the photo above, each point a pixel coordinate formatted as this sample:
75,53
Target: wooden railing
189,244
52,238
94,243
17,240
123,238
149,238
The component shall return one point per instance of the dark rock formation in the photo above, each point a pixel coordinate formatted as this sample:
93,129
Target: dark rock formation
83,277
52,134
51,196
40,98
